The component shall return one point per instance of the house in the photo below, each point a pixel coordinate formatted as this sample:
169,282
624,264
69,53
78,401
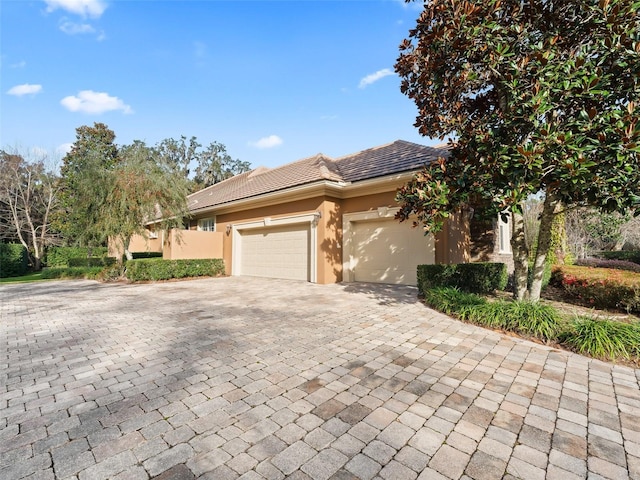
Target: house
320,219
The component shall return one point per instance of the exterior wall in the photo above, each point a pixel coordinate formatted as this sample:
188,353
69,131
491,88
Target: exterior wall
452,245
330,242
190,244
256,214
485,244
453,241
140,244
369,202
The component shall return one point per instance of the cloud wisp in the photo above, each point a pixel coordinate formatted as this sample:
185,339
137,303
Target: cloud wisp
72,28
267,142
374,77
83,8
24,89
88,101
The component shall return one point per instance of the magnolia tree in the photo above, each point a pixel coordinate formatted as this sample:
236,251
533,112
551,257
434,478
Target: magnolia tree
540,96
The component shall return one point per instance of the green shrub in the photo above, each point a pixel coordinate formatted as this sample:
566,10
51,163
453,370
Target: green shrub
452,301
626,255
59,256
91,261
527,318
599,287
605,339
159,269
71,272
468,277
13,260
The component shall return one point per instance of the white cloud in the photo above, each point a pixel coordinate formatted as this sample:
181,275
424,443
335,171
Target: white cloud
89,101
64,148
25,89
267,142
20,64
72,28
374,77
84,8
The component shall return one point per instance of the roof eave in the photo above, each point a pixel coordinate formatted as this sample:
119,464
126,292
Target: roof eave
322,188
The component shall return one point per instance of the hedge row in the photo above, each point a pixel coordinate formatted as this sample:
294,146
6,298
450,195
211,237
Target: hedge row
599,287
469,277
71,272
159,269
13,260
59,256
626,255
91,261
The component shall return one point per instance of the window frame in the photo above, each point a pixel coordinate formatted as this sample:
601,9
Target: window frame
208,224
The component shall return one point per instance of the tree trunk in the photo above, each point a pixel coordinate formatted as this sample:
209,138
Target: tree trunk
549,210
520,257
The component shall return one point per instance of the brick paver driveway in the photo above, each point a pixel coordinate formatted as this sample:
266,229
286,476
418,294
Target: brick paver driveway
253,378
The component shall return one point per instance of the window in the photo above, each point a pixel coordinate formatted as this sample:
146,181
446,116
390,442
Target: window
207,224
504,234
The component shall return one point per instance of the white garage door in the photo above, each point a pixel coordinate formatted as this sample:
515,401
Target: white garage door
387,251
276,252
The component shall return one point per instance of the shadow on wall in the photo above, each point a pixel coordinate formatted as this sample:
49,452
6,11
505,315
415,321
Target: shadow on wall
330,245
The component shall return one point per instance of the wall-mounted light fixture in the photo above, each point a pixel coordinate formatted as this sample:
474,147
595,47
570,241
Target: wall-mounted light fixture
229,226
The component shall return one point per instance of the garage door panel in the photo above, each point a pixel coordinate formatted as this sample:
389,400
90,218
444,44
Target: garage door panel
386,251
276,252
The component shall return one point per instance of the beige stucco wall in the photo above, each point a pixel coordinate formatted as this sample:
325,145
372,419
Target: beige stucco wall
138,243
274,211
452,245
188,244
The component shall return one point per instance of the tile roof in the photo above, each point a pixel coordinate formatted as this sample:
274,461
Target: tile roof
397,157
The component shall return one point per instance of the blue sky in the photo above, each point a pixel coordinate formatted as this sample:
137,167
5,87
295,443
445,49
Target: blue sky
274,81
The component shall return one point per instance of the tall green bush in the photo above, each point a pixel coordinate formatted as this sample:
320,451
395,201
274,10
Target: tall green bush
13,260
59,256
469,277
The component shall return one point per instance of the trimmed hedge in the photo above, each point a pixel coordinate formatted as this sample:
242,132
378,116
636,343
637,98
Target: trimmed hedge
13,260
159,269
604,263
59,256
599,287
626,255
90,273
91,261
469,277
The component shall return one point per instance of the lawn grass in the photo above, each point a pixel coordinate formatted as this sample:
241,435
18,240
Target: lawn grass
29,277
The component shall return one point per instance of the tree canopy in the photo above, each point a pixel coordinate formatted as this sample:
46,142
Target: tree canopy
536,96
111,191
28,197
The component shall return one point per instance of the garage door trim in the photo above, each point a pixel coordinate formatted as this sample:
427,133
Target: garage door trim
308,218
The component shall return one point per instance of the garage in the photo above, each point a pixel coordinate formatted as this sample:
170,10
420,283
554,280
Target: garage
383,250
276,252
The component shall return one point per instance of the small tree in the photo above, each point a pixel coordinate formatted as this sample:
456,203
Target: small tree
137,190
28,198
82,183
541,97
